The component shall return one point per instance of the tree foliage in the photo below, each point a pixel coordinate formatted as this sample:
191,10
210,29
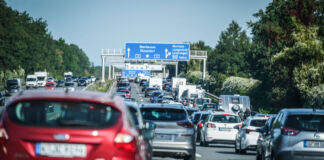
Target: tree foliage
26,43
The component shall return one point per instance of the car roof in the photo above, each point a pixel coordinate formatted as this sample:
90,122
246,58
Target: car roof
88,96
131,104
162,105
297,111
223,113
257,118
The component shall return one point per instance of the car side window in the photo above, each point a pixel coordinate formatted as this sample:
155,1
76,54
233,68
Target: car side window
277,123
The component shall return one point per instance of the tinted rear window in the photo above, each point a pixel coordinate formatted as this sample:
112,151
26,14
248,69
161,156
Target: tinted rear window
258,123
226,119
49,84
59,114
306,122
163,114
204,116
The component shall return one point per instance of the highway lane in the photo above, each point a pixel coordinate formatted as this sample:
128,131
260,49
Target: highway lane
213,152
77,88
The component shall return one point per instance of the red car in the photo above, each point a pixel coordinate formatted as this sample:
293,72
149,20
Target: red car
50,85
58,125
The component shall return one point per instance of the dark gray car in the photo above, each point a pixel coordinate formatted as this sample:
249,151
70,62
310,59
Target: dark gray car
261,143
174,133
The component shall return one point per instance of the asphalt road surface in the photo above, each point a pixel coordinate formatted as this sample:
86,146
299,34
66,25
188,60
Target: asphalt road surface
213,152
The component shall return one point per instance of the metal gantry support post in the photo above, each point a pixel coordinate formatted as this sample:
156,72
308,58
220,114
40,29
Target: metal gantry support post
113,72
163,71
204,70
176,70
103,69
109,72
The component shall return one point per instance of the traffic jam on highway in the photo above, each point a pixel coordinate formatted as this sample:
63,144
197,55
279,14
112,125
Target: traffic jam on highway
147,117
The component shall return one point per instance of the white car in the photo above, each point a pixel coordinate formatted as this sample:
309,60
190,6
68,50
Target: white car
219,128
247,136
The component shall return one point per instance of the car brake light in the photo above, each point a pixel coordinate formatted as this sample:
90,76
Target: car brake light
185,124
3,134
200,125
247,131
289,131
125,141
211,125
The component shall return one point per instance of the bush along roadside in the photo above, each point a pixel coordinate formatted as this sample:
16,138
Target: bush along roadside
100,86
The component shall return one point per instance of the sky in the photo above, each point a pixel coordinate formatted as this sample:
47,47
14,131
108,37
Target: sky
94,25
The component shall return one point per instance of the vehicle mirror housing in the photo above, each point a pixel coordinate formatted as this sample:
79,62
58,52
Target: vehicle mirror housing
148,133
260,130
237,127
150,125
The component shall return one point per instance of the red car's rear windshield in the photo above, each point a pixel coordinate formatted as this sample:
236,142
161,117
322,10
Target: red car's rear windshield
63,114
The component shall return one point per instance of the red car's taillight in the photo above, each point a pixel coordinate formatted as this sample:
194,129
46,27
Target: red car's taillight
289,131
125,142
3,134
247,131
200,125
211,125
185,124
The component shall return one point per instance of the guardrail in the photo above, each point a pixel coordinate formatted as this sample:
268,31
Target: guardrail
214,96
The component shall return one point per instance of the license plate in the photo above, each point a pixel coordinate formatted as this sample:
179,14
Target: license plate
314,144
225,129
165,137
61,150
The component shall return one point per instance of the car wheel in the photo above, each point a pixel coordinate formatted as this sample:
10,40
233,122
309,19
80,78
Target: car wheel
236,149
242,151
191,157
258,156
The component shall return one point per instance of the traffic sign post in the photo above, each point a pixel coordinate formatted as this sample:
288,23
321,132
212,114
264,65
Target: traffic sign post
134,73
157,51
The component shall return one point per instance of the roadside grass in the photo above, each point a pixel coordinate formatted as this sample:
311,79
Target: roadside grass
100,86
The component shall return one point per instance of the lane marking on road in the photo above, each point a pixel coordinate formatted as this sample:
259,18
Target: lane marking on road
198,155
85,88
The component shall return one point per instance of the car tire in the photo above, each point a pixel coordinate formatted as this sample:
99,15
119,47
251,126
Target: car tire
235,147
242,151
258,156
191,157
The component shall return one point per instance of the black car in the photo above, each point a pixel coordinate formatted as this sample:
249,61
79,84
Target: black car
149,91
145,128
124,84
198,119
2,99
265,131
60,83
82,82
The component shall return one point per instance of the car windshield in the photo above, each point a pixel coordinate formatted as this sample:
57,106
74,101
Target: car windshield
69,84
204,116
163,114
226,119
31,79
258,123
49,84
41,78
123,84
306,122
63,114
12,82
155,94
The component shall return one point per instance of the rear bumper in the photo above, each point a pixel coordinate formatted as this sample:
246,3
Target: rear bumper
173,149
301,155
220,137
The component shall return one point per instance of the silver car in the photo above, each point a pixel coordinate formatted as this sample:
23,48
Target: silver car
297,134
174,133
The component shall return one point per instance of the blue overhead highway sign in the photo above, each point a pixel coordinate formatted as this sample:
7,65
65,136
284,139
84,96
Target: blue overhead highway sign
157,51
134,73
